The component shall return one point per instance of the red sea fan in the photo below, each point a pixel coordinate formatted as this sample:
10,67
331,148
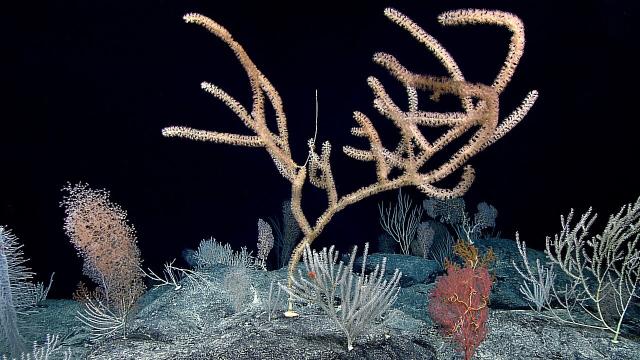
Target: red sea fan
458,304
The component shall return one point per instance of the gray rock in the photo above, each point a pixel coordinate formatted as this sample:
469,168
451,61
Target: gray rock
415,270
505,293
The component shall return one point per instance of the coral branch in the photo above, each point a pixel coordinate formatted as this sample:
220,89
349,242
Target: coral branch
411,155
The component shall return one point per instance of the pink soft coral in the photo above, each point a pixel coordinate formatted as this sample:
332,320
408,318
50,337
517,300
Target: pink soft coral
459,304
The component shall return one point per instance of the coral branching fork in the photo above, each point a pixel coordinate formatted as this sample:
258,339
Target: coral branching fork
479,114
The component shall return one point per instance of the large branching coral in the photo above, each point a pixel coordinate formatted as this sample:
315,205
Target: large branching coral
480,114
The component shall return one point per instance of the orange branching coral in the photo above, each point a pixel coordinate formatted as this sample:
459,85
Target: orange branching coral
480,114
469,254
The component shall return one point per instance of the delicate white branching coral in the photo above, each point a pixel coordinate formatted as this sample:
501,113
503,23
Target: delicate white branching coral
401,221
211,252
173,276
364,300
102,320
536,288
19,275
15,291
274,303
18,296
601,269
52,348
411,155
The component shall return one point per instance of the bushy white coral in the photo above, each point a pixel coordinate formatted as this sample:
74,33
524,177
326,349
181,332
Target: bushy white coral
601,269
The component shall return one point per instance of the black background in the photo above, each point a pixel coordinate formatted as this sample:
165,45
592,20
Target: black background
89,85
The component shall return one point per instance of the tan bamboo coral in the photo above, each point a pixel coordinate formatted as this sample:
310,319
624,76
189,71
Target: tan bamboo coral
480,110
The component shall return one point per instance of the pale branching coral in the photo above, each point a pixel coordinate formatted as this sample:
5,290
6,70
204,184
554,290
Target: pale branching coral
410,157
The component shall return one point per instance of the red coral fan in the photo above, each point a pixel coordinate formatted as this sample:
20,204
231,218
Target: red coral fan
458,303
